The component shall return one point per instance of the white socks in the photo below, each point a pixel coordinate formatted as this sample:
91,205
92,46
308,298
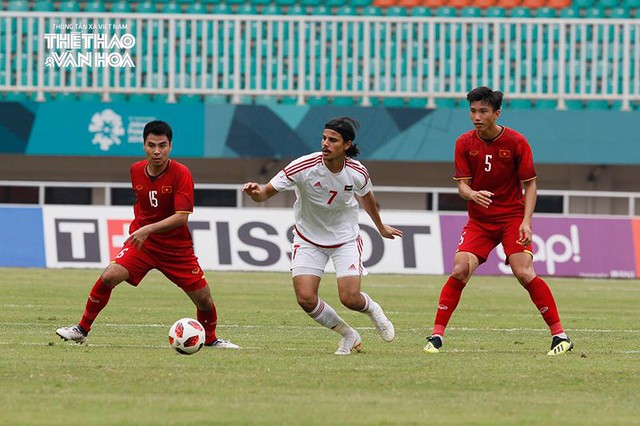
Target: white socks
328,317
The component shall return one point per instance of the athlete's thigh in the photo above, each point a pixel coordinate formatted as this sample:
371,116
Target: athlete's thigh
136,261
182,268
307,259
347,259
479,239
510,236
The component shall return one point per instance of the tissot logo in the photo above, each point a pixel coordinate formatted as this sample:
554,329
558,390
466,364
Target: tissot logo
77,240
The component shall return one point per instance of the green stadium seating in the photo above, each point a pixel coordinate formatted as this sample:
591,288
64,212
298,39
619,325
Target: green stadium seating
420,11
365,3
446,11
43,6
18,5
95,6
471,12
69,6
146,7
582,4
630,5
272,9
545,12
120,7
520,12
371,11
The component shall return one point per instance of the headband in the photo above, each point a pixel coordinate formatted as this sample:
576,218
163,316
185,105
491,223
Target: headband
346,133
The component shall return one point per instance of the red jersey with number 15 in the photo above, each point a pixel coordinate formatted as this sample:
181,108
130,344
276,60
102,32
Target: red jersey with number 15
160,197
499,166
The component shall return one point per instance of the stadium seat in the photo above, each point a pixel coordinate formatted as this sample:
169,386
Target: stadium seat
630,5
619,13
545,12
420,11
69,6
409,3
471,12
446,12
146,7
371,11
434,4
508,4
286,3
321,10
310,3
520,12
558,4
120,7
534,4
583,4
495,12
569,12
196,8
484,4
43,6
459,4
272,9
396,11
94,6
18,6
364,3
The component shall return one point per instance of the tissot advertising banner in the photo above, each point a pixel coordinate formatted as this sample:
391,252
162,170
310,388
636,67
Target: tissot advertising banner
259,239
233,239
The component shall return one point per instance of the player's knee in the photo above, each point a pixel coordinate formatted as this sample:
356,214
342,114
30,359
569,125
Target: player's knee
460,271
307,302
523,275
110,279
351,300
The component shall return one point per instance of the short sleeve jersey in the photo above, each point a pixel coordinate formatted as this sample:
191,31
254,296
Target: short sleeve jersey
500,167
160,197
325,210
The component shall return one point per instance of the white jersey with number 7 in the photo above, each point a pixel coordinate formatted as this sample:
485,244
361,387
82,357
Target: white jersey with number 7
326,210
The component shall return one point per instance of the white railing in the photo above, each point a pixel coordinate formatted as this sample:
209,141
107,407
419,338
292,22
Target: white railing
335,56
573,202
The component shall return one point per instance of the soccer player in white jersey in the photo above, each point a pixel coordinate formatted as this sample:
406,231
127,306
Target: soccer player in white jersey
326,226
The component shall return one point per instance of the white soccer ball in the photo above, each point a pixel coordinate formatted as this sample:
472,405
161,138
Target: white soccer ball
186,336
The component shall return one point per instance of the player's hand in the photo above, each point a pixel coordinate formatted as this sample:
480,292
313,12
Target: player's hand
482,198
526,234
137,238
390,232
252,189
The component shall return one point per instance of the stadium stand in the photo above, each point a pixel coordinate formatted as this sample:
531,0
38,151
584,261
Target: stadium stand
398,63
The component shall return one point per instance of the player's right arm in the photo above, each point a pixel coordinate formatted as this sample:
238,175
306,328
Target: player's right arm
259,193
481,198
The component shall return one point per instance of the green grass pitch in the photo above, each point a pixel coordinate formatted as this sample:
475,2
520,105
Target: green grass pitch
492,370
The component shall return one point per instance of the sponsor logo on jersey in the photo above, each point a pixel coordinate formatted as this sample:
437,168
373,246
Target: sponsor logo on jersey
196,271
167,190
139,187
474,152
505,153
348,187
317,185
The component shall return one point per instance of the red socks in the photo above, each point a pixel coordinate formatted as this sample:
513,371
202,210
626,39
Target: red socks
449,298
98,299
542,297
209,320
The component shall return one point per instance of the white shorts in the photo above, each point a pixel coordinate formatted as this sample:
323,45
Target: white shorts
309,259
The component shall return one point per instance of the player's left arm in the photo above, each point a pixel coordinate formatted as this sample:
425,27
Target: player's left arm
530,198
369,204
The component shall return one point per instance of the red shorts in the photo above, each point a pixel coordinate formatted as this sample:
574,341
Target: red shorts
480,238
180,266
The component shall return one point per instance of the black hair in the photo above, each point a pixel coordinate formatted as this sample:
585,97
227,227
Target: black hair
157,127
487,96
347,127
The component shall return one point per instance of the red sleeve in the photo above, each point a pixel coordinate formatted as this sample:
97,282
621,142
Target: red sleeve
461,163
526,170
183,199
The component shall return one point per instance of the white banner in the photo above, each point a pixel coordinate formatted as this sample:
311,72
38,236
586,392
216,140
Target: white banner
229,239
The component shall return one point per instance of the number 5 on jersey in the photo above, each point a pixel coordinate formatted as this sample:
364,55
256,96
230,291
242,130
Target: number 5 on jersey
152,198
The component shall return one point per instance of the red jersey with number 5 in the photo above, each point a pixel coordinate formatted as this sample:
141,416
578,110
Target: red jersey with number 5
160,197
499,166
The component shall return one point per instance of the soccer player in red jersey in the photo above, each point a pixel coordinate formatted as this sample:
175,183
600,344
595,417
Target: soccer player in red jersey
159,238
493,164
